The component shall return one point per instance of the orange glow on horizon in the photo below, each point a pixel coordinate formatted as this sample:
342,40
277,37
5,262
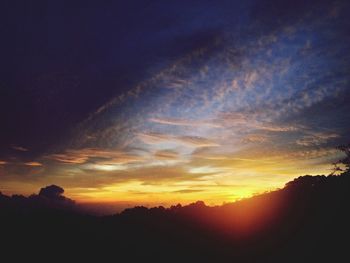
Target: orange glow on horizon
214,181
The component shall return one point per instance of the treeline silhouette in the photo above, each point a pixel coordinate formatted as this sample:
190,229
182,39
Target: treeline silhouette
306,221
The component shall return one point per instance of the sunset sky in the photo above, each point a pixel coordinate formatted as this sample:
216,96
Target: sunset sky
165,102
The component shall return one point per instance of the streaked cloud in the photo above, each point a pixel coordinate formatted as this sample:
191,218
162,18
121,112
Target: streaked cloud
205,153
153,138
166,155
33,164
255,138
188,191
184,122
19,148
104,167
316,138
251,121
104,156
197,141
194,141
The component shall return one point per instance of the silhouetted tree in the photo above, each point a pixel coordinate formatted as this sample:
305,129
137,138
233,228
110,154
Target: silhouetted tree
342,162
346,161
51,192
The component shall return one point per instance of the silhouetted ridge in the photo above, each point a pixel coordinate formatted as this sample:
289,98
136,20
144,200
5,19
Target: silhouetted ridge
306,221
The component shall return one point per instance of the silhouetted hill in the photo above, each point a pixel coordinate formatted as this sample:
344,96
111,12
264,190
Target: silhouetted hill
306,221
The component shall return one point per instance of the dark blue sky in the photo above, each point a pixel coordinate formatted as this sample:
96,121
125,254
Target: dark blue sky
62,60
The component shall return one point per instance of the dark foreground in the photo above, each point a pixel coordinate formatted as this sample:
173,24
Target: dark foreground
307,221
